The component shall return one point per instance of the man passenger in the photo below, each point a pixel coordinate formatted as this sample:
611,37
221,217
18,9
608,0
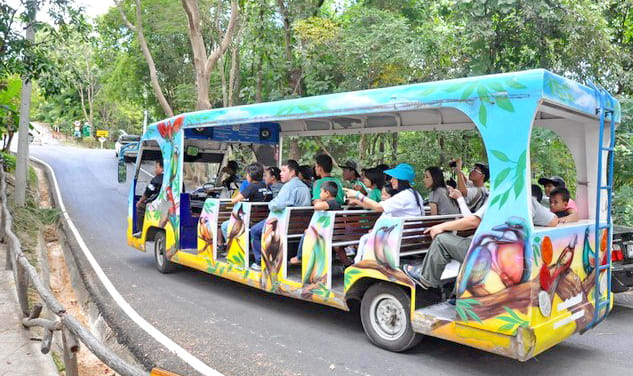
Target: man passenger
323,169
473,189
151,192
351,175
447,246
549,184
293,193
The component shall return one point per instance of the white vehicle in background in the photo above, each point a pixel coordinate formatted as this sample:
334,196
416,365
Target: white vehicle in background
125,139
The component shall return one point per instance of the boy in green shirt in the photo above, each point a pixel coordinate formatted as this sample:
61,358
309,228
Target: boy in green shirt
323,169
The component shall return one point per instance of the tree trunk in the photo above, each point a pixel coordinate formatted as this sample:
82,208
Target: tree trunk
21,165
153,75
293,72
225,95
234,75
295,150
394,147
204,64
362,144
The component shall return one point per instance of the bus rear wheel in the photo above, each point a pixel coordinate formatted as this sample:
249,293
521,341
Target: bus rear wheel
385,314
160,254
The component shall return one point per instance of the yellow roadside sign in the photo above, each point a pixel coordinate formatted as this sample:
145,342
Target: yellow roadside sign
102,133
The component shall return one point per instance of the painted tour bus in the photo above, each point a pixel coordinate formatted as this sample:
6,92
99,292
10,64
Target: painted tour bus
521,288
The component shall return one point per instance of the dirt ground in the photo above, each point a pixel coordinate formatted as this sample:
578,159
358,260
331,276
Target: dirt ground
61,285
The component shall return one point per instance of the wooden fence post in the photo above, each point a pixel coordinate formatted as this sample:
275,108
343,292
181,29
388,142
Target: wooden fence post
71,347
22,287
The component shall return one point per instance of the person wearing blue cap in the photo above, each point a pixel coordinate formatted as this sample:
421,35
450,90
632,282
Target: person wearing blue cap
405,202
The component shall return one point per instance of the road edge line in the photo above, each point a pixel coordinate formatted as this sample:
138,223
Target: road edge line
172,346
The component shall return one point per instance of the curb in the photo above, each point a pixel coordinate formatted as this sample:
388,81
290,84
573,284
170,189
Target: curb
146,350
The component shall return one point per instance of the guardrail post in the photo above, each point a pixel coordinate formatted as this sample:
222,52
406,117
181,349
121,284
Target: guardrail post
22,287
71,347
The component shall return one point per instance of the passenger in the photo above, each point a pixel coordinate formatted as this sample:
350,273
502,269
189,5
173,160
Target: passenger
327,201
272,178
254,191
323,169
306,174
352,177
405,201
447,246
537,193
293,193
439,200
151,192
232,181
559,205
549,184
456,195
473,188
374,180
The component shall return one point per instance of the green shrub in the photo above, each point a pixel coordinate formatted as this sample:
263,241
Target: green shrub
623,206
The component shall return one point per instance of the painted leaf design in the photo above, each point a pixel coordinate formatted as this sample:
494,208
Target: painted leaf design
506,327
495,86
518,186
483,114
495,199
504,198
500,156
513,83
468,91
505,103
502,176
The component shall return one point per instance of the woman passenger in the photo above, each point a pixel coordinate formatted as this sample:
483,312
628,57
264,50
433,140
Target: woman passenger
405,201
439,200
272,178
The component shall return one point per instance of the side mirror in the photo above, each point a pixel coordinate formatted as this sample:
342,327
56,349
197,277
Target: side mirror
122,171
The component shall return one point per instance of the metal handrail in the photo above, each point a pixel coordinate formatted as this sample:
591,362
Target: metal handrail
71,329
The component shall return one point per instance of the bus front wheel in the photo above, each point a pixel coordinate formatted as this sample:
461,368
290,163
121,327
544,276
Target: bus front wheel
160,254
385,314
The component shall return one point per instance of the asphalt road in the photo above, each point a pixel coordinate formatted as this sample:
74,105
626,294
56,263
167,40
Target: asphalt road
242,331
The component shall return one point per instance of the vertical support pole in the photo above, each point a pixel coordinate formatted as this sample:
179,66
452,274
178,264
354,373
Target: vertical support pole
71,347
281,151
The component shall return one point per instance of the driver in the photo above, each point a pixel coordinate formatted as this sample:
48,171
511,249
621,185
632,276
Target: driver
151,192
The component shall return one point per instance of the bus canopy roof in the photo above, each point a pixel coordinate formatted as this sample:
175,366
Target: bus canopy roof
429,105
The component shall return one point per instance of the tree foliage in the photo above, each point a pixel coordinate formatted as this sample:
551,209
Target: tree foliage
284,49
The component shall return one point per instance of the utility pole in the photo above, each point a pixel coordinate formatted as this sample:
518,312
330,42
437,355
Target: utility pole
21,166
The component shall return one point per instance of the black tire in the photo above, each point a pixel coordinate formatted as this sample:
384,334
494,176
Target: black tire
162,263
385,314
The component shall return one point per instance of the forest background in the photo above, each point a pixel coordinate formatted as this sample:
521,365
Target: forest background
170,57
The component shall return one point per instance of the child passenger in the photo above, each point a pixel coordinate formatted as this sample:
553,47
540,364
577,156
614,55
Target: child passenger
374,180
327,201
272,178
559,205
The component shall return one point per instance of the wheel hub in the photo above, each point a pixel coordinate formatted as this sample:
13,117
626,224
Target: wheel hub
388,317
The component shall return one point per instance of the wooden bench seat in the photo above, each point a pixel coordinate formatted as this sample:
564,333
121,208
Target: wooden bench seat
414,241
298,221
350,225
